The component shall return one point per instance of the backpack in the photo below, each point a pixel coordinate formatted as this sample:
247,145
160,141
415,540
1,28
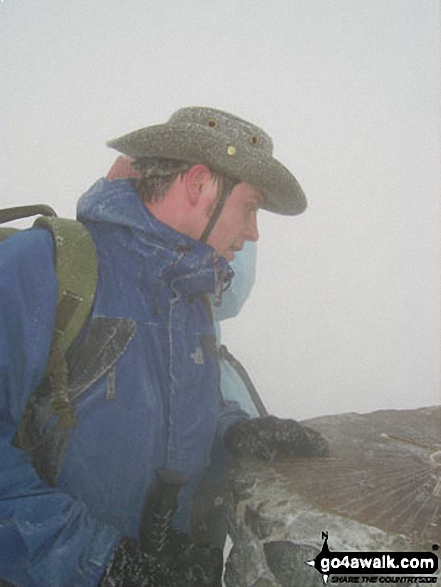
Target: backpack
77,271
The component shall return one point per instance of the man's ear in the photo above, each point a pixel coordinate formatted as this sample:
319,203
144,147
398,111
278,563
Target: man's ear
197,178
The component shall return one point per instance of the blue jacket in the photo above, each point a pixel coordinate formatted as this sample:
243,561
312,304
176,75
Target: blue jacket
158,407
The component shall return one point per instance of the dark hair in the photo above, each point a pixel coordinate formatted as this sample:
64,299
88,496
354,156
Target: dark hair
159,173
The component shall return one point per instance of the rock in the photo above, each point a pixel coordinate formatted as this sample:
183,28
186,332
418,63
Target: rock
378,491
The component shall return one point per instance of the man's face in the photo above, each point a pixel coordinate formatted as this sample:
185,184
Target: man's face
237,222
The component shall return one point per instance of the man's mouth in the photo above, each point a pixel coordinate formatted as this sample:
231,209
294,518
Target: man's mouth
233,251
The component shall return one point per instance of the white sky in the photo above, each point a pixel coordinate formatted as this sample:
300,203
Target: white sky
345,312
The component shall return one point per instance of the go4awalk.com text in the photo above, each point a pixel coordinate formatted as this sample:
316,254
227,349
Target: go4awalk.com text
397,563
375,567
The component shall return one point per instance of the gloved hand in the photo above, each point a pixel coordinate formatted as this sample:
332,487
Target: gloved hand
270,438
193,566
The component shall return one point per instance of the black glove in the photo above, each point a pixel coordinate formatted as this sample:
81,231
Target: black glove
270,438
193,566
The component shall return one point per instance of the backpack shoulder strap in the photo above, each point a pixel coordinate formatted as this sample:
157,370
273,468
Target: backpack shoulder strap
76,267
77,271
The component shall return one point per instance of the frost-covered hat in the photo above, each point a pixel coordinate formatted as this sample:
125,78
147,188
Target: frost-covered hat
225,143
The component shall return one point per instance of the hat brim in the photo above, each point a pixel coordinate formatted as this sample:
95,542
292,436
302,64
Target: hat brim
281,191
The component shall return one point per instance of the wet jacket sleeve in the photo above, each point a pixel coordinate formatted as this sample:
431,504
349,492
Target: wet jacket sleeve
46,537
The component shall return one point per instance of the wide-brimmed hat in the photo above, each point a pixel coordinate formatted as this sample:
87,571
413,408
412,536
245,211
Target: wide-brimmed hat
225,143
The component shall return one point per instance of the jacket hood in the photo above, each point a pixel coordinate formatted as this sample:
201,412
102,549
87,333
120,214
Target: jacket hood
190,266
116,202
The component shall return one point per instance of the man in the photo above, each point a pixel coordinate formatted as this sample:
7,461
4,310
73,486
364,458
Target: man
235,385
111,505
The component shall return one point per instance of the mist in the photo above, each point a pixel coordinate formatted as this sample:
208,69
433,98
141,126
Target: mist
344,315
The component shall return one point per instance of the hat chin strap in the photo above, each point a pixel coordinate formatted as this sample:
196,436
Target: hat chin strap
215,215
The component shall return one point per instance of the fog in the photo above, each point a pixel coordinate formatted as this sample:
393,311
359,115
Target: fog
344,315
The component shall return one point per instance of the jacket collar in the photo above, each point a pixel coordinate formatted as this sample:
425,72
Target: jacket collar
188,266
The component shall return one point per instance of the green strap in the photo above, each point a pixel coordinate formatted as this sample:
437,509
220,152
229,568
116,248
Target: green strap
76,266
77,271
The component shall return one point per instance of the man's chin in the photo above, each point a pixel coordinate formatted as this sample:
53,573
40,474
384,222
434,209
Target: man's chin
230,255
227,255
